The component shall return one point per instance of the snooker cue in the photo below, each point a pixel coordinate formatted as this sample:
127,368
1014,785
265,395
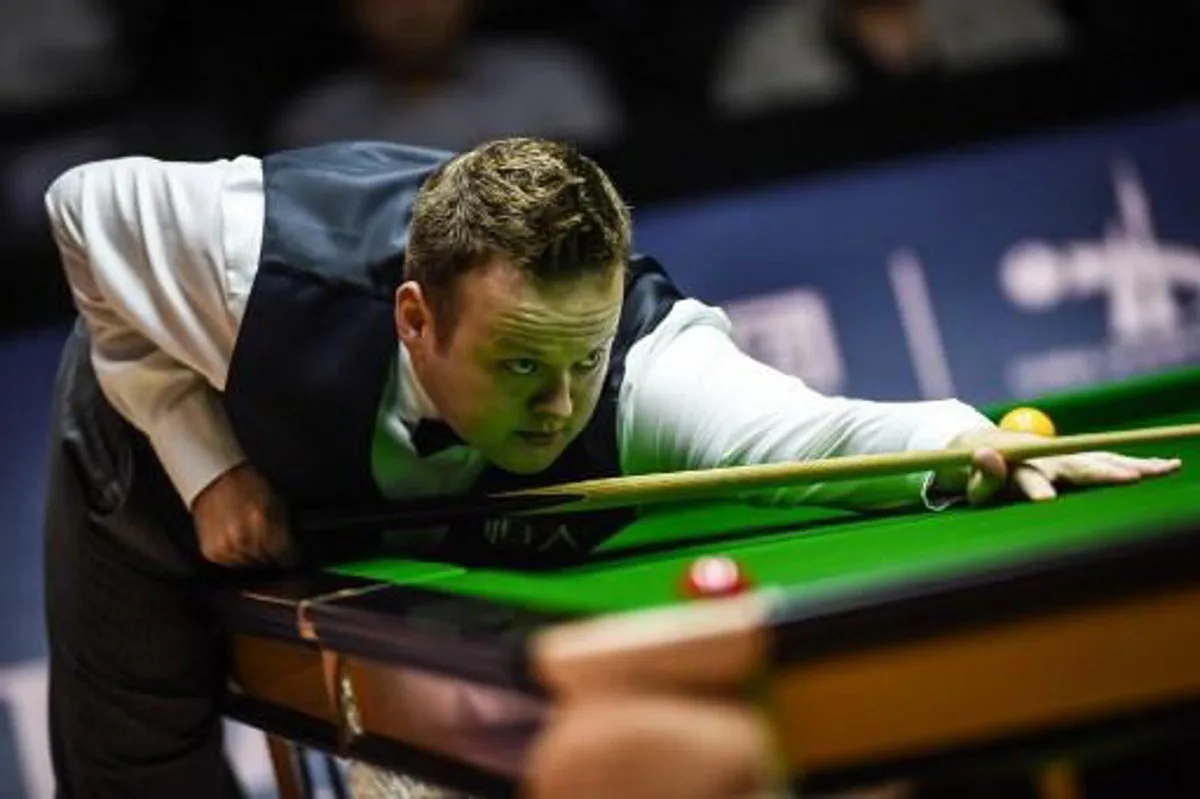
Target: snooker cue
707,484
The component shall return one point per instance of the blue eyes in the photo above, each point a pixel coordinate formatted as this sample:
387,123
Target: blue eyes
525,367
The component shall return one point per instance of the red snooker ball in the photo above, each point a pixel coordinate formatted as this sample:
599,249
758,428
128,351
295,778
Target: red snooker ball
714,576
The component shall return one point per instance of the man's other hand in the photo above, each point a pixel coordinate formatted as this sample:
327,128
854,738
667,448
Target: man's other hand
240,521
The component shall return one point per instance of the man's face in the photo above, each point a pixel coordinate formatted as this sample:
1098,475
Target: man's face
519,375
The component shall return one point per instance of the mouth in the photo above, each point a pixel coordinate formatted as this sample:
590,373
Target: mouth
540,440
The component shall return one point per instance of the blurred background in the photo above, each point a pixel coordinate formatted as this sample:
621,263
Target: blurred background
898,199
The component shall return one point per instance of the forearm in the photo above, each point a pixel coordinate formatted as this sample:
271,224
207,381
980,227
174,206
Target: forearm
859,427
181,415
701,403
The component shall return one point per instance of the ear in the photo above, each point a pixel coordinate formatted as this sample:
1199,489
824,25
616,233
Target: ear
412,313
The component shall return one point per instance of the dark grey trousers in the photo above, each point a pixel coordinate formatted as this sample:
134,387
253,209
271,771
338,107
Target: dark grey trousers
136,665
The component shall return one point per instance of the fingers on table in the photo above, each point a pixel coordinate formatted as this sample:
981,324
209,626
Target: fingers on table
1033,483
1101,468
1036,479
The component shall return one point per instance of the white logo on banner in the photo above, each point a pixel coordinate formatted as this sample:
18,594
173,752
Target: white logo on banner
1147,285
792,331
920,326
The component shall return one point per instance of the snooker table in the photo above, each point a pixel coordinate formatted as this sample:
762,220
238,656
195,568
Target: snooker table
881,646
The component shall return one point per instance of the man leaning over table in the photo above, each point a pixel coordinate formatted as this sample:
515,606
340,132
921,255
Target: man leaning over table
260,336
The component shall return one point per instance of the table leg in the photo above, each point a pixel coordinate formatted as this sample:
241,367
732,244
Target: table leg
1059,779
287,770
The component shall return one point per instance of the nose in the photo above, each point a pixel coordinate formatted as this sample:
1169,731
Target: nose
554,400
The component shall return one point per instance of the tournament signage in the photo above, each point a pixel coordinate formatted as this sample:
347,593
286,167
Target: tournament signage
987,274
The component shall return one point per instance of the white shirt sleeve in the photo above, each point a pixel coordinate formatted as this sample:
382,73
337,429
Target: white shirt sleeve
692,400
160,258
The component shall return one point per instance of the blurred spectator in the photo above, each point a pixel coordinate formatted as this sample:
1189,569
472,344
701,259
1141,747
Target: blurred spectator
794,51
430,82
55,51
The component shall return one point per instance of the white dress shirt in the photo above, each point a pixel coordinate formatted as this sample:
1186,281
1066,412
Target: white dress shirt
161,258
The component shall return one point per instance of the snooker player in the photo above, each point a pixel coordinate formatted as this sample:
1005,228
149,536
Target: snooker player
368,322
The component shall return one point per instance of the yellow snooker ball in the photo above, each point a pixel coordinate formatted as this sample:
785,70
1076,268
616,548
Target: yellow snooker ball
1028,420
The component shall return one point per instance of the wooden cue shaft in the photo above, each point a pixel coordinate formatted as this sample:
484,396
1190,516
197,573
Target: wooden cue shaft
613,492
701,484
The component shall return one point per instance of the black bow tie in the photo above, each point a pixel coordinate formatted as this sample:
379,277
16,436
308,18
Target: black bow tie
431,436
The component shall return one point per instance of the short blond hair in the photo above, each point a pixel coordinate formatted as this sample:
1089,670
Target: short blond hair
548,209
